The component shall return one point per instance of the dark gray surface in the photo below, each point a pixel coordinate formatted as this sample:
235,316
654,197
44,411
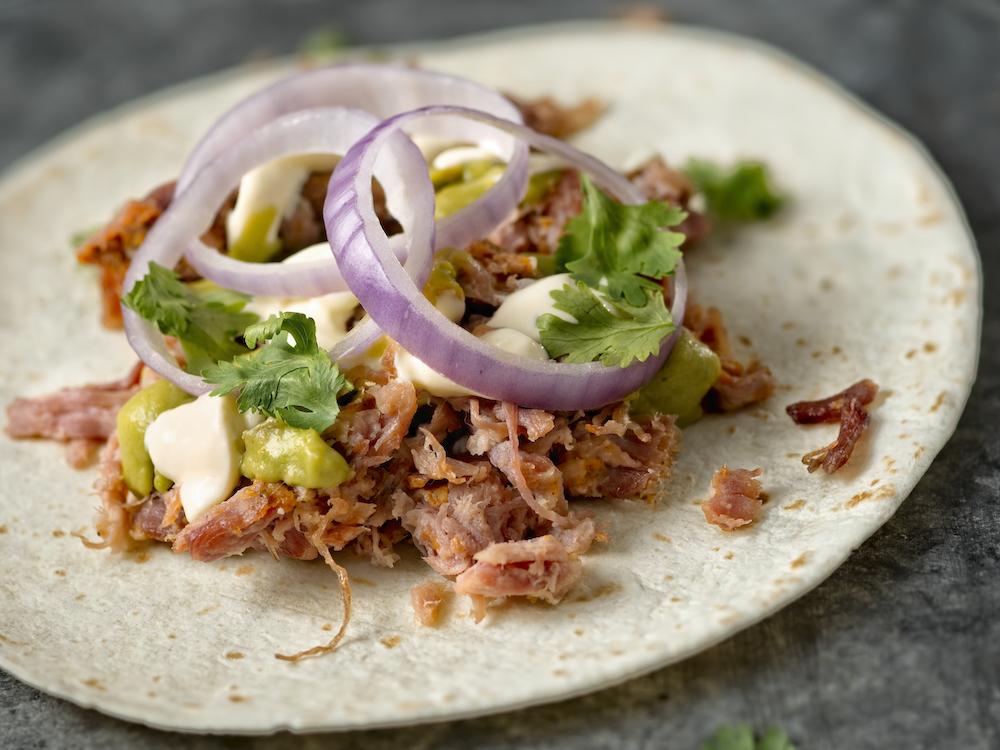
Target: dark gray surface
900,648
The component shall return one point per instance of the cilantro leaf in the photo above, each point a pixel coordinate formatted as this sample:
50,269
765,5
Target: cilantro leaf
741,738
205,322
600,334
290,378
741,194
620,246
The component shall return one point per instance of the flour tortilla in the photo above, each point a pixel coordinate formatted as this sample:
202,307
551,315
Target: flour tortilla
870,271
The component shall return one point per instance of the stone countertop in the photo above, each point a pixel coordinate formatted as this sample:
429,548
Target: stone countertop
900,648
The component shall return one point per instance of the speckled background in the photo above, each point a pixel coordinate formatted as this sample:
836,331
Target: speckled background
898,648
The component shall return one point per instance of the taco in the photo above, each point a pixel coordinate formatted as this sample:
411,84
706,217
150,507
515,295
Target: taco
862,276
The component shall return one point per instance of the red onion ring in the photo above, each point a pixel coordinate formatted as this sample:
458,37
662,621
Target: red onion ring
383,90
396,303
192,212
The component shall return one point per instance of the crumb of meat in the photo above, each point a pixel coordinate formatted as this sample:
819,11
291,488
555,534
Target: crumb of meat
846,407
737,386
427,599
547,116
734,498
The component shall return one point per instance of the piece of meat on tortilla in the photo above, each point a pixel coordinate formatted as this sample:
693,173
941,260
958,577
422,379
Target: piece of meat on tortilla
734,498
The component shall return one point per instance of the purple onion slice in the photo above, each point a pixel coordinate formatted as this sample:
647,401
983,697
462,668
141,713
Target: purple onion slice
396,303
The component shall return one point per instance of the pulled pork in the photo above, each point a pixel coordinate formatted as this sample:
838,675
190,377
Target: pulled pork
734,498
846,407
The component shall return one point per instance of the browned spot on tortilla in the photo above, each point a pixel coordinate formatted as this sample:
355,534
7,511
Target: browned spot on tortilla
171,635
845,222
234,655
817,355
58,533
745,340
364,582
151,694
571,615
730,555
142,557
239,698
94,683
674,599
605,590
894,272
797,505
391,641
5,639
158,678
244,570
800,342
192,704
799,561
3,529
60,572
911,354
930,219
880,494
890,227
559,673
658,535
791,455
836,350
764,497
939,402
617,652
826,285
730,618
716,549
875,481
787,325
328,626
668,577
207,610
689,478
956,297
577,632
81,596
919,452
930,347
731,429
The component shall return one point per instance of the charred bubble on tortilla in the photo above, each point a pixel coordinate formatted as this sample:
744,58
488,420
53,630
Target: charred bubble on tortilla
846,407
734,498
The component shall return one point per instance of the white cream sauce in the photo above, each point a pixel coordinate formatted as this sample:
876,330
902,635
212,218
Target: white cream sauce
198,446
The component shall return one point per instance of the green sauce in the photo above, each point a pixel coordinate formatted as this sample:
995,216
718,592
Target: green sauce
681,383
276,452
457,187
139,413
252,244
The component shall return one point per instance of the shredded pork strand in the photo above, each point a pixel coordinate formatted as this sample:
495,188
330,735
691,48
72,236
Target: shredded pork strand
846,407
734,498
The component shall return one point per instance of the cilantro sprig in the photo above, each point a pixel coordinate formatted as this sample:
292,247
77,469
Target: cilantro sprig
741,738
600,334
622,247
290,378
743,193
623,251
206,322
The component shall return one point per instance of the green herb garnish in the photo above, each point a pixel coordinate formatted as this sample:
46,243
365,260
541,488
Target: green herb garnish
599,333
741,738
621,247
206,322
623,251
743,193
290,378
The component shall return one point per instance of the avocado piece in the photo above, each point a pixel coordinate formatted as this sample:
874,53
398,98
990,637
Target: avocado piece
276,452
477,178
138,413
680,385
